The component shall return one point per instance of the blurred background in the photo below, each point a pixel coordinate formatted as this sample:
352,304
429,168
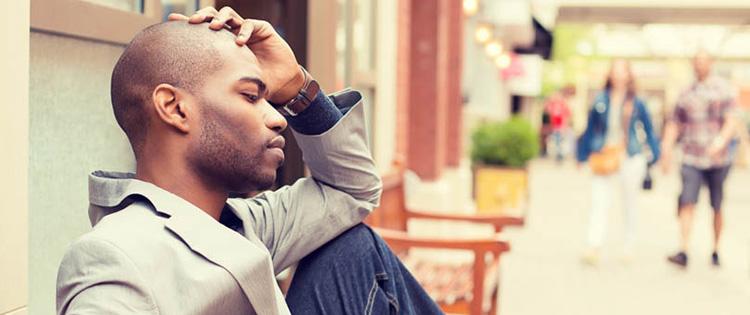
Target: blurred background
458,96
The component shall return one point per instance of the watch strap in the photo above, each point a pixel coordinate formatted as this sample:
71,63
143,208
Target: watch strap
304,98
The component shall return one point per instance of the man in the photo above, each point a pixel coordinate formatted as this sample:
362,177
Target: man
704,122
195,105
559,113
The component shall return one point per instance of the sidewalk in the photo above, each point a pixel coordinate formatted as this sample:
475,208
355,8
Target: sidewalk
543,274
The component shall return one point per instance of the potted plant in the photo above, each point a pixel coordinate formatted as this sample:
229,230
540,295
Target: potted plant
500,154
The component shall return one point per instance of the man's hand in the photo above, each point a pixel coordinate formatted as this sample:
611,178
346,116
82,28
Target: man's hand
671,131
282,73
666,160
716,147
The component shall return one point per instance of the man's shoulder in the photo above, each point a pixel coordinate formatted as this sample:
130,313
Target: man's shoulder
723,86
137,220
131,232
719,81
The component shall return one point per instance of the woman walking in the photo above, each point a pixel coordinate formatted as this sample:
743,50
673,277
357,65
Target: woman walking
615,154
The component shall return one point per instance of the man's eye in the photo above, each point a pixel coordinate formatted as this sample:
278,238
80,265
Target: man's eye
251,97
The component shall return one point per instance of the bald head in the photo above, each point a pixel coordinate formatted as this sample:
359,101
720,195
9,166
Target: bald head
174,53
702,63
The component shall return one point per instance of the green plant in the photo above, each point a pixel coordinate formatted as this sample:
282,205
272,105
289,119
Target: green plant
509,143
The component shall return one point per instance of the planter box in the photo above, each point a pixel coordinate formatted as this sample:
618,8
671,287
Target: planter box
501,190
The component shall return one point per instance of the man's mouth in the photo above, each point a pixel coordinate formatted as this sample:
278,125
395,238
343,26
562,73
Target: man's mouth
277,143
276,147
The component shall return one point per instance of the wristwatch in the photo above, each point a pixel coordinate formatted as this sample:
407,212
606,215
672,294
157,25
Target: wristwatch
304,98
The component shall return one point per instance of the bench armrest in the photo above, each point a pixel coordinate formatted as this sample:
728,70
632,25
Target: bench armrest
401,240
497,221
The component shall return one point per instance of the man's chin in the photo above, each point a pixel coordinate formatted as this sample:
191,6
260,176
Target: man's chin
266,184
254,186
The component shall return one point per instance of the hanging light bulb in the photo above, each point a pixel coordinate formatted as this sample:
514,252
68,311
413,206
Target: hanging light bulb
493,49
503,61
483,33
471,7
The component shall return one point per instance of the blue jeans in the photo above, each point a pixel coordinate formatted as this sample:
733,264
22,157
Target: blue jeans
558,136
356,273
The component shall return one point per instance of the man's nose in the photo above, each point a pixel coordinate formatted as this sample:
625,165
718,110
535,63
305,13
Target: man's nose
273,119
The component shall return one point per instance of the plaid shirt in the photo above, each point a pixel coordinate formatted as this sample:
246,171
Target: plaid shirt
700,114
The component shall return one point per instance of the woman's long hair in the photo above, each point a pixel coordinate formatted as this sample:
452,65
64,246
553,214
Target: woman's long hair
630,92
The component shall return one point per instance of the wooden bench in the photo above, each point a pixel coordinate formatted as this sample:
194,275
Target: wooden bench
469,288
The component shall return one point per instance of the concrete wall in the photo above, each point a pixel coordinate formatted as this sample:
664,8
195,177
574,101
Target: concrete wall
14,127
72,132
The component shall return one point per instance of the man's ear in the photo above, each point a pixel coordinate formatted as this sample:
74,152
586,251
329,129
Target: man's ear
172,106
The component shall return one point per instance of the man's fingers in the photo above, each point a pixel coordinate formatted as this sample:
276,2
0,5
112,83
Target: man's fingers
198,18
253,31
226,16
176,17
665,168
246,29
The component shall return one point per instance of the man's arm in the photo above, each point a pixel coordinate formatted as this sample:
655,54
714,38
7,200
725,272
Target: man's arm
651,138
728,129
672,130
295,220
345,187
96,277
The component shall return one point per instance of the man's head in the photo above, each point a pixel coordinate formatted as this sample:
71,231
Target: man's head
189,97
702,63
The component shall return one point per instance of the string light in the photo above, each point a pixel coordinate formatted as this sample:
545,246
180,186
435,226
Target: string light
493,49
471,7
503,61
483,33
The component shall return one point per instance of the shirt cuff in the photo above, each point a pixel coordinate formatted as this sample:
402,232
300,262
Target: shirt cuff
321,115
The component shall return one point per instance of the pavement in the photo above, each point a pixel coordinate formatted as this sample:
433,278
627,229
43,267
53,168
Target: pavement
543,273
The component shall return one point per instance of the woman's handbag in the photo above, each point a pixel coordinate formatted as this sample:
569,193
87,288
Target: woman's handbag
606,161
648,183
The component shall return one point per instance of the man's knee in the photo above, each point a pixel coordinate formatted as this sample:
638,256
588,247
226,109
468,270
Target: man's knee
685,210
355,254
357,236
355,242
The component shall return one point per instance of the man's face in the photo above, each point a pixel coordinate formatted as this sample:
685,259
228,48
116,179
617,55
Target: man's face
702,64
238,146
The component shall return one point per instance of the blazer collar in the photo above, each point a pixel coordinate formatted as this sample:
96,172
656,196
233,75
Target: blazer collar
245,258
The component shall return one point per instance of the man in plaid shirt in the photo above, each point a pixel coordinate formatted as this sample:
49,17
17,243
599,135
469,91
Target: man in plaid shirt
703,121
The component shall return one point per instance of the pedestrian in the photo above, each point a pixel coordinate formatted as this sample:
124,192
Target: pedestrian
615,155
558,112
703,121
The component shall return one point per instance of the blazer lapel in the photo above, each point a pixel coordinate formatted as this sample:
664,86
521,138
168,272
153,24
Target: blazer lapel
246,260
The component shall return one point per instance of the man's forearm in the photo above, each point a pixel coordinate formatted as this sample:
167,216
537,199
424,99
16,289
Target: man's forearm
671,132
319,117
728,130
340,156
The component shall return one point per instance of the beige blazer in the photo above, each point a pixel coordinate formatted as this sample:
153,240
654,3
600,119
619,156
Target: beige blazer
151,252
